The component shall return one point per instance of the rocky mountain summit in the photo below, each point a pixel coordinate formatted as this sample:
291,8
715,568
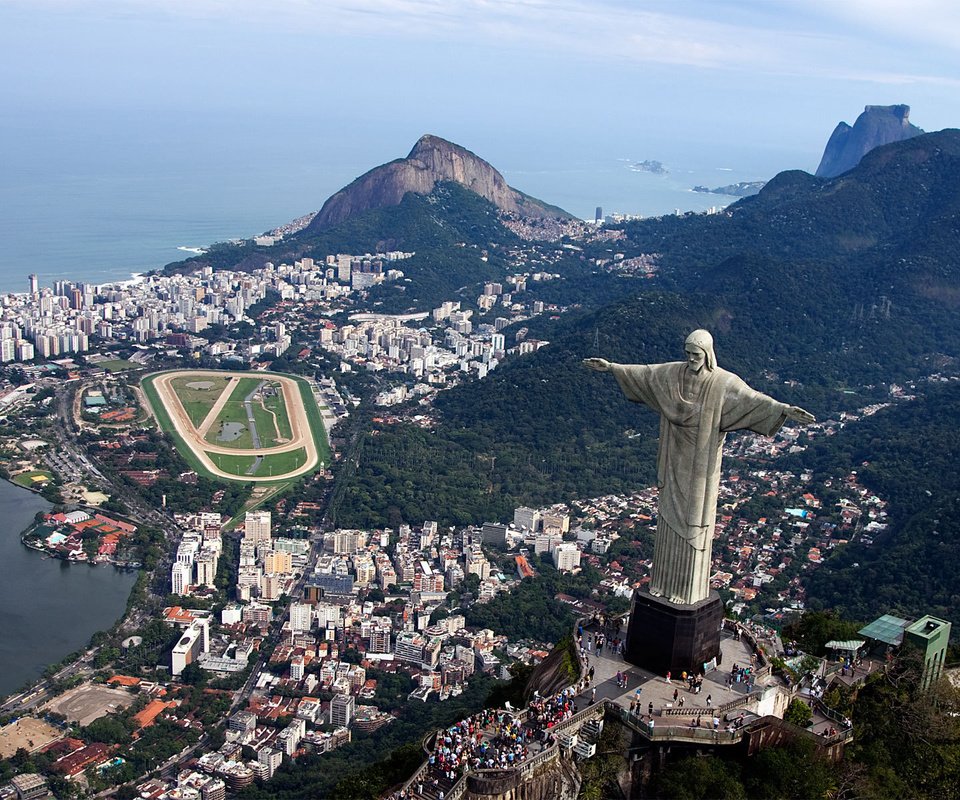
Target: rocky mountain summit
877,125
431,161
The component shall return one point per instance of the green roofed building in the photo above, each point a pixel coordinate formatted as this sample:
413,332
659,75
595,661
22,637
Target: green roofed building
931,637
887,629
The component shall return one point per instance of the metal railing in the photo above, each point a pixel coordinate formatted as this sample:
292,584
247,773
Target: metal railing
677,733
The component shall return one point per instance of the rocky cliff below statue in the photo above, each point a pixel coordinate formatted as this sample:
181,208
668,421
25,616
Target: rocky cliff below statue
432,160
877,125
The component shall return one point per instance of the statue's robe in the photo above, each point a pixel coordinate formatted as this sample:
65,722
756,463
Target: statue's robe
692,432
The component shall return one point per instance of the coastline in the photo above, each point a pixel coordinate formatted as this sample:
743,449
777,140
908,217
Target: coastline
120,283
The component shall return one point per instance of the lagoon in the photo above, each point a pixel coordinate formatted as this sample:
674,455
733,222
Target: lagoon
48,608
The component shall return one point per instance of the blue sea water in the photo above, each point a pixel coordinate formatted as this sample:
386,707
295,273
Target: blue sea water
96,200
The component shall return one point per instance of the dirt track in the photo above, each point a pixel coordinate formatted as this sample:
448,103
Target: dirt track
301,435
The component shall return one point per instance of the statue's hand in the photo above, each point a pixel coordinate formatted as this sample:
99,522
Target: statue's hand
801,416
598,364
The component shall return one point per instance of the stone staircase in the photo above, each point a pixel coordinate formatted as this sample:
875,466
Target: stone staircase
431,792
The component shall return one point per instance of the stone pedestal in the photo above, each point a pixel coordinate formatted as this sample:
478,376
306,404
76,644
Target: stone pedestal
664,637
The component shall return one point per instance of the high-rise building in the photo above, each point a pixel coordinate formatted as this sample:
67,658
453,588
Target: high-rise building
301,617
555,522
526,518
545,542
379,639
348,541
296,668
271,586
34,285
180,577
566,557
206,565
278,562
341,710
271,759
256,527
494,533
195,640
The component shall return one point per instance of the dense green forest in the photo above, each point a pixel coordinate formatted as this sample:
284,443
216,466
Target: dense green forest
907,455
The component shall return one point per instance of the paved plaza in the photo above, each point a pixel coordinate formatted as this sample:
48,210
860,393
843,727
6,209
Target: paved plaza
656,691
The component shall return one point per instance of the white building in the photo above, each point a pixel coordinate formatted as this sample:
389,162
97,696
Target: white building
301,617
256,526
195,640
341,710
566,557
526,518
180,577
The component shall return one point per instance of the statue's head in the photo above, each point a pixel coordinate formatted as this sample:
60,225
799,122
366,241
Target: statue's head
703,341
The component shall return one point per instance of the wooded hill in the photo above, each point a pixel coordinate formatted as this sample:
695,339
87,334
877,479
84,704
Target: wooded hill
839,286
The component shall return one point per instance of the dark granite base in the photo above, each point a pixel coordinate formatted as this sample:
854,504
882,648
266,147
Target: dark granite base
663,637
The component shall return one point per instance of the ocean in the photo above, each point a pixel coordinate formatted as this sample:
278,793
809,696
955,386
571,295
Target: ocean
97,203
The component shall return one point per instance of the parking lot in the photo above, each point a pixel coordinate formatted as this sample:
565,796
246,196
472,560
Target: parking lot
89,702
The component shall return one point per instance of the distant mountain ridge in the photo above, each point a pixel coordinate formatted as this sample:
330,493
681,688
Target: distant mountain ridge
877,125
431,161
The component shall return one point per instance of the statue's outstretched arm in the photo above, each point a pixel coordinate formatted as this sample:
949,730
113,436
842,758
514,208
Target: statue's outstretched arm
598,364
800,415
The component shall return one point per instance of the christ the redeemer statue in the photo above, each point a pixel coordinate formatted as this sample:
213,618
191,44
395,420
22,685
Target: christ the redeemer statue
698,404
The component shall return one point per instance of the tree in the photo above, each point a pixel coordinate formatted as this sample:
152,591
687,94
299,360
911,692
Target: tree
907,739
792,772
696,778
814,629
194,675
799,713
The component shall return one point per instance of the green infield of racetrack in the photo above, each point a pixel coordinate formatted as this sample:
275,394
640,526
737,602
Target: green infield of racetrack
277,464
198,402
273,431
313,416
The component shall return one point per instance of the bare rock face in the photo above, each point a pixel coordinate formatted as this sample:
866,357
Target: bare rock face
431,161
877,125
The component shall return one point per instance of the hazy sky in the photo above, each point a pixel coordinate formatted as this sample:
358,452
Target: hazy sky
489,73
336,88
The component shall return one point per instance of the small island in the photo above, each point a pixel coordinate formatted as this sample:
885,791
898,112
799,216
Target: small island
653,167
739,189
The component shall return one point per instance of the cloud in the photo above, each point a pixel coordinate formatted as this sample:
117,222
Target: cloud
819,38
917,23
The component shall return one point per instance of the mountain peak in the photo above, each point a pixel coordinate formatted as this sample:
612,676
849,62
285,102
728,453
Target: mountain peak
431,161
877,125
430,142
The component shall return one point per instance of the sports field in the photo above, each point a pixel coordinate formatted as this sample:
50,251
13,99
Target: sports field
240,426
